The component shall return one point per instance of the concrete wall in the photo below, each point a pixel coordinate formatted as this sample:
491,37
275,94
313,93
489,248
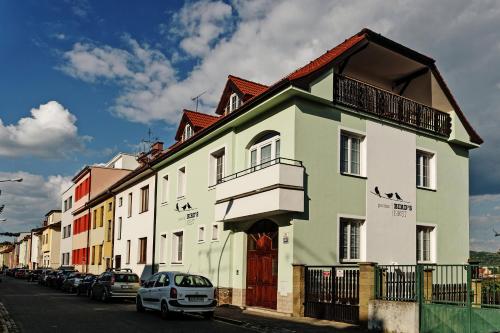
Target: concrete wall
394,317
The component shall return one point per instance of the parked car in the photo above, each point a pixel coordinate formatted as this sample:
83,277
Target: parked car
11,272
115,284
177,292
34,275
85,285
20,274
61,276
72,282
42,278
49,278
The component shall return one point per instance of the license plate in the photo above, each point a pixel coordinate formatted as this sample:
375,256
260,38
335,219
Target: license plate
196,298
125,287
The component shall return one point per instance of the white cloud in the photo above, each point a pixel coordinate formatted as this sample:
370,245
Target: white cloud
50,132
27,202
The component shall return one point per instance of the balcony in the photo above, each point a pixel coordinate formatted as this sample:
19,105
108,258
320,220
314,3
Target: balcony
387,105
268,189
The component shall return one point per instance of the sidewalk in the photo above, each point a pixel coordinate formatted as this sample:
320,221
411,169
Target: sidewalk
7,324
279,323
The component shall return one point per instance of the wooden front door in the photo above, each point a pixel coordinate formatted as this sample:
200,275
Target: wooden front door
262,269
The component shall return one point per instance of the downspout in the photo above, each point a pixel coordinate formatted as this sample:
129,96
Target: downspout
154,221
87,250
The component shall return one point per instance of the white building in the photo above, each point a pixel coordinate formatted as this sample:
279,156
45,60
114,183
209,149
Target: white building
66,222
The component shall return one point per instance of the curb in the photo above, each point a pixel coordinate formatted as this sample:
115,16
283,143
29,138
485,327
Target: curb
7,324
229,320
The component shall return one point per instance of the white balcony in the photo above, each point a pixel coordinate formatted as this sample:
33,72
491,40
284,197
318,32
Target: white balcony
269,189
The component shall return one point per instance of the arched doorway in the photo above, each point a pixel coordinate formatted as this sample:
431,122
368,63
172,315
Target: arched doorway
262,264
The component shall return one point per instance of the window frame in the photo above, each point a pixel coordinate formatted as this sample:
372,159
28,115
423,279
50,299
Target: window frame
257,147
130,199
432,243
163,248
144,199
213,156
128,250
361,220
120,226
352,134
237,103
176,261
184,184
201,239
142,256
165,184
216,239
432,169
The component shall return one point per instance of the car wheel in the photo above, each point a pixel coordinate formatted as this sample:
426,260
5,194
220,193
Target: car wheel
164,310
138,304
91,294
78,292
208,315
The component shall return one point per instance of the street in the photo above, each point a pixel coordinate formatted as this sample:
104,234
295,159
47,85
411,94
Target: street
40,309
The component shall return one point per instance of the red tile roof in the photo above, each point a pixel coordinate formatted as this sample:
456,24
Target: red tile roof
247,87
197,120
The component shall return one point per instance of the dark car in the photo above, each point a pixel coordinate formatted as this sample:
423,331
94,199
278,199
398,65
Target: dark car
50,276
61,276
34,275
20,274
115,284
12,272
85,285
42,277
72,281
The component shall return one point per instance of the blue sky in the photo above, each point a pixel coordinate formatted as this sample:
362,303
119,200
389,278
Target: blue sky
113,69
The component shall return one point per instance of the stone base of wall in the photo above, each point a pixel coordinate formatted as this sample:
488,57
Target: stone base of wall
285,303
239,297
224,295
394,317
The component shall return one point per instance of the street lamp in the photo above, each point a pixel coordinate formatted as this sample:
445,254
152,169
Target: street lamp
11,180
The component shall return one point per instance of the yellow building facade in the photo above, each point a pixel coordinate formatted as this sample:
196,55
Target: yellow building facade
101,234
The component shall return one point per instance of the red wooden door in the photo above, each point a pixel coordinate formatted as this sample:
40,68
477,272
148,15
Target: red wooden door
262,270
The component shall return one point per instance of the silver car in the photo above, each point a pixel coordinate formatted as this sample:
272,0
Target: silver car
177,292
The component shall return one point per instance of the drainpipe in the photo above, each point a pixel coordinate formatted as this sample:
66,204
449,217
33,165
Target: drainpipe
154,222
87,250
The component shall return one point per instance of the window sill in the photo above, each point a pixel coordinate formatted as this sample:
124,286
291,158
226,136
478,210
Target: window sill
176,264
164,203
214,240
349,261
182,197
426,188
212,187
141,263
352,175
201,241
144,211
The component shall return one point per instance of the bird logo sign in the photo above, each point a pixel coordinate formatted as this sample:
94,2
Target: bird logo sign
393,200
192,213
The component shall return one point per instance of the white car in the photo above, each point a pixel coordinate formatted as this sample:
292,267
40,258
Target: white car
177,292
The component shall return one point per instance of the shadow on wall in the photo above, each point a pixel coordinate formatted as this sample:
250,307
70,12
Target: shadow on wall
146,272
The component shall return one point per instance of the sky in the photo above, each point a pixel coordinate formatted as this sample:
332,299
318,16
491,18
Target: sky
83,80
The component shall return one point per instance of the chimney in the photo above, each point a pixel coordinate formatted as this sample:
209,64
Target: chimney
156,148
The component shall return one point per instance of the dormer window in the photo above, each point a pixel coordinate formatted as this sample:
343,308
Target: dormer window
188,132
233,103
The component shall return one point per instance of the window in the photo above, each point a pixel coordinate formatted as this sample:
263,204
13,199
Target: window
130,204
110,231
164,189
128,253
142,250
350,239
65,205
350,153
216,166
92,261
424,246
69,230
181,182
94,220
120,201
177,247
425,169
163,248
101,220
144,199
110,207
70,202
99,253
215,232
119,234
201,234
234,102
265,150
188,132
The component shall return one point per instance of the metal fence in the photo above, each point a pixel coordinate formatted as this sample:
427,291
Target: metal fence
396,283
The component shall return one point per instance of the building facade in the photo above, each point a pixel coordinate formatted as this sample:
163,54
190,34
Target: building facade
51,240
67,198
101,234
361,155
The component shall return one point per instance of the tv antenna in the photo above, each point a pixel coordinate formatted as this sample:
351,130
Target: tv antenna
150,140
196,98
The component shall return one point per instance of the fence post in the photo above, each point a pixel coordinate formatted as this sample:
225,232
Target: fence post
427,281
366,289
299,290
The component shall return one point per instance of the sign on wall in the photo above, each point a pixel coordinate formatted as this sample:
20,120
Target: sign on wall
188,212
392,201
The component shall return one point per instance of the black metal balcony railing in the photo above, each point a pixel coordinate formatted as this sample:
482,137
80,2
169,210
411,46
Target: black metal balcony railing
367,98
278,160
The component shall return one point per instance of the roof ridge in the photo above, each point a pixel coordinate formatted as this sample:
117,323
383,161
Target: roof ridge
200,113
249,81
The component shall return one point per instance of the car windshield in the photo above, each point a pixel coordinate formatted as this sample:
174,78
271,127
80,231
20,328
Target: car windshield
193,281
126,278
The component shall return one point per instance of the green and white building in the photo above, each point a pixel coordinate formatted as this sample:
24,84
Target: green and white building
361,155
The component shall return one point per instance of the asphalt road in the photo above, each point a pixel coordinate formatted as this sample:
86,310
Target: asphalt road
40,309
